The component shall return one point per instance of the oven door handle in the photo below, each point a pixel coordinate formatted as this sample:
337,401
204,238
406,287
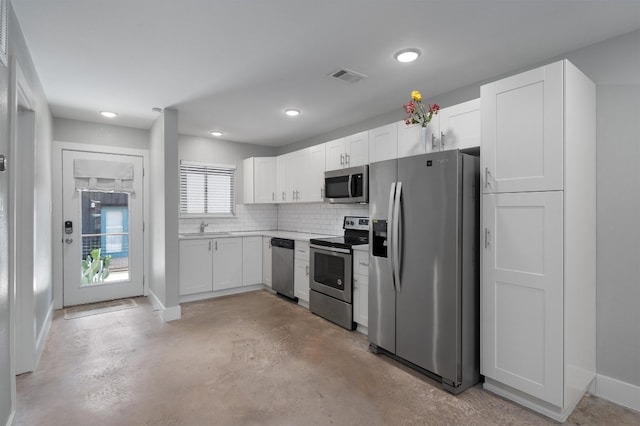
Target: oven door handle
390,222
330,249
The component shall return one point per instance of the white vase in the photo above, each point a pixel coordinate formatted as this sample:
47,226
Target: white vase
424,133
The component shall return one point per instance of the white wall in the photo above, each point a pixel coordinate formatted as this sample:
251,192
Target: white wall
163,227
42,285
6,379
66,130
156,218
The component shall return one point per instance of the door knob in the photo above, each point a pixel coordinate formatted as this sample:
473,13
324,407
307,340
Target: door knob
68,240
3,163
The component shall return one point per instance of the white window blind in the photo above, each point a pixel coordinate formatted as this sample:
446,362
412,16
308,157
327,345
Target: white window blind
207,189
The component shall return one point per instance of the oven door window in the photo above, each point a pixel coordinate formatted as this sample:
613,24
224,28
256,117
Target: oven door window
337,187
329,270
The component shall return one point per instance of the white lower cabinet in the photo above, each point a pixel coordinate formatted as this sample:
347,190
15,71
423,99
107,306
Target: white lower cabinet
266,261
522,292
251,260
196,266
361,288
227,263
301,271
210,265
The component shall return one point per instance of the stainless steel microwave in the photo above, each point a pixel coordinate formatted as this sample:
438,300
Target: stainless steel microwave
347,185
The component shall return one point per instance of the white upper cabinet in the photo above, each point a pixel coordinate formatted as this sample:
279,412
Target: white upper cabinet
335,154
260,180
522,131
412,142
348,152
383,143
281,180
314,173
357,149
460,126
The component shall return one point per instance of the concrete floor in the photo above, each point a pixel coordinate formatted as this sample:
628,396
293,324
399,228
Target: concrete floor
250,359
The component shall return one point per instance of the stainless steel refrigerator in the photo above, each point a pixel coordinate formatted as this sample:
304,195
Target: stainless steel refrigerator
424,264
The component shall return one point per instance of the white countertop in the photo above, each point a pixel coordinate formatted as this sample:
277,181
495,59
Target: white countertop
298,236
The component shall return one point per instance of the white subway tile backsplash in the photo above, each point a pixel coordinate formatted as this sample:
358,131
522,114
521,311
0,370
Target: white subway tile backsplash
249,217
316,218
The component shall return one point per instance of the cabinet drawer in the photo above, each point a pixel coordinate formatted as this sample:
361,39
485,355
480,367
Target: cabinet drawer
361,262
301,250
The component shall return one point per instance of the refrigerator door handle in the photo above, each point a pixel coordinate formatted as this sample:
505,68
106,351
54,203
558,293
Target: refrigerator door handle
396,236
392,196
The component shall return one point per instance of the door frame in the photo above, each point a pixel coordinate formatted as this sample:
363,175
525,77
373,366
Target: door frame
57,232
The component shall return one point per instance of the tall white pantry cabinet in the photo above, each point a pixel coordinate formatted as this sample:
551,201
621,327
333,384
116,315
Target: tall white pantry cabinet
539,237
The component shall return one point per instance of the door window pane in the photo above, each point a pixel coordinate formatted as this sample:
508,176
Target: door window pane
105,237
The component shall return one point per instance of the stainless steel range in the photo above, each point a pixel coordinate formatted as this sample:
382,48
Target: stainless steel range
331,275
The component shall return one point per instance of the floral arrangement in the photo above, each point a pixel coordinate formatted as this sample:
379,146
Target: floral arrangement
417,112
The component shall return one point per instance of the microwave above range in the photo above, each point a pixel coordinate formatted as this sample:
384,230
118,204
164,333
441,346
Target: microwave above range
349,185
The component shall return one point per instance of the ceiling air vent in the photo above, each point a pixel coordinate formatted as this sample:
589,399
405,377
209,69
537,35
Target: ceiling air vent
345,74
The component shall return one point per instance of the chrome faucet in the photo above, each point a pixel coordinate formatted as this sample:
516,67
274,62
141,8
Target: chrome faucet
203,225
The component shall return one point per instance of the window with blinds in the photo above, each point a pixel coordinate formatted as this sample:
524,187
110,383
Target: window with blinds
207,189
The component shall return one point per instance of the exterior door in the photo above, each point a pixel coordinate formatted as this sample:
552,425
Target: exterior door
103,232
522,292
523,132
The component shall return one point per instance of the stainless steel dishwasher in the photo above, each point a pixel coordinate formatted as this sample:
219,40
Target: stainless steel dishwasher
282,267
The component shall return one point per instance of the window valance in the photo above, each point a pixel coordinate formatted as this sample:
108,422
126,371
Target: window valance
105,176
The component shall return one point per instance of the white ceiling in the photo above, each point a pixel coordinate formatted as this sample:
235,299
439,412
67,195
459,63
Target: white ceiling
235,65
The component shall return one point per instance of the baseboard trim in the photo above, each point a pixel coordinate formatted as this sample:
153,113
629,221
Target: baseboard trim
556,413
166,314
11,416
617,391
44,333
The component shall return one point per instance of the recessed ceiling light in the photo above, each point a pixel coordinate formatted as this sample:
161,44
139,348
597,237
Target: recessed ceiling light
291,112
108,114
216,133
407,55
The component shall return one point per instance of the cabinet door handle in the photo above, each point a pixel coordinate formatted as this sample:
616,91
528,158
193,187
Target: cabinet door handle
216,246
433,141
273,196
209,245
283,196
487,238
347,159
342,159
307,270
442,139
321,192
